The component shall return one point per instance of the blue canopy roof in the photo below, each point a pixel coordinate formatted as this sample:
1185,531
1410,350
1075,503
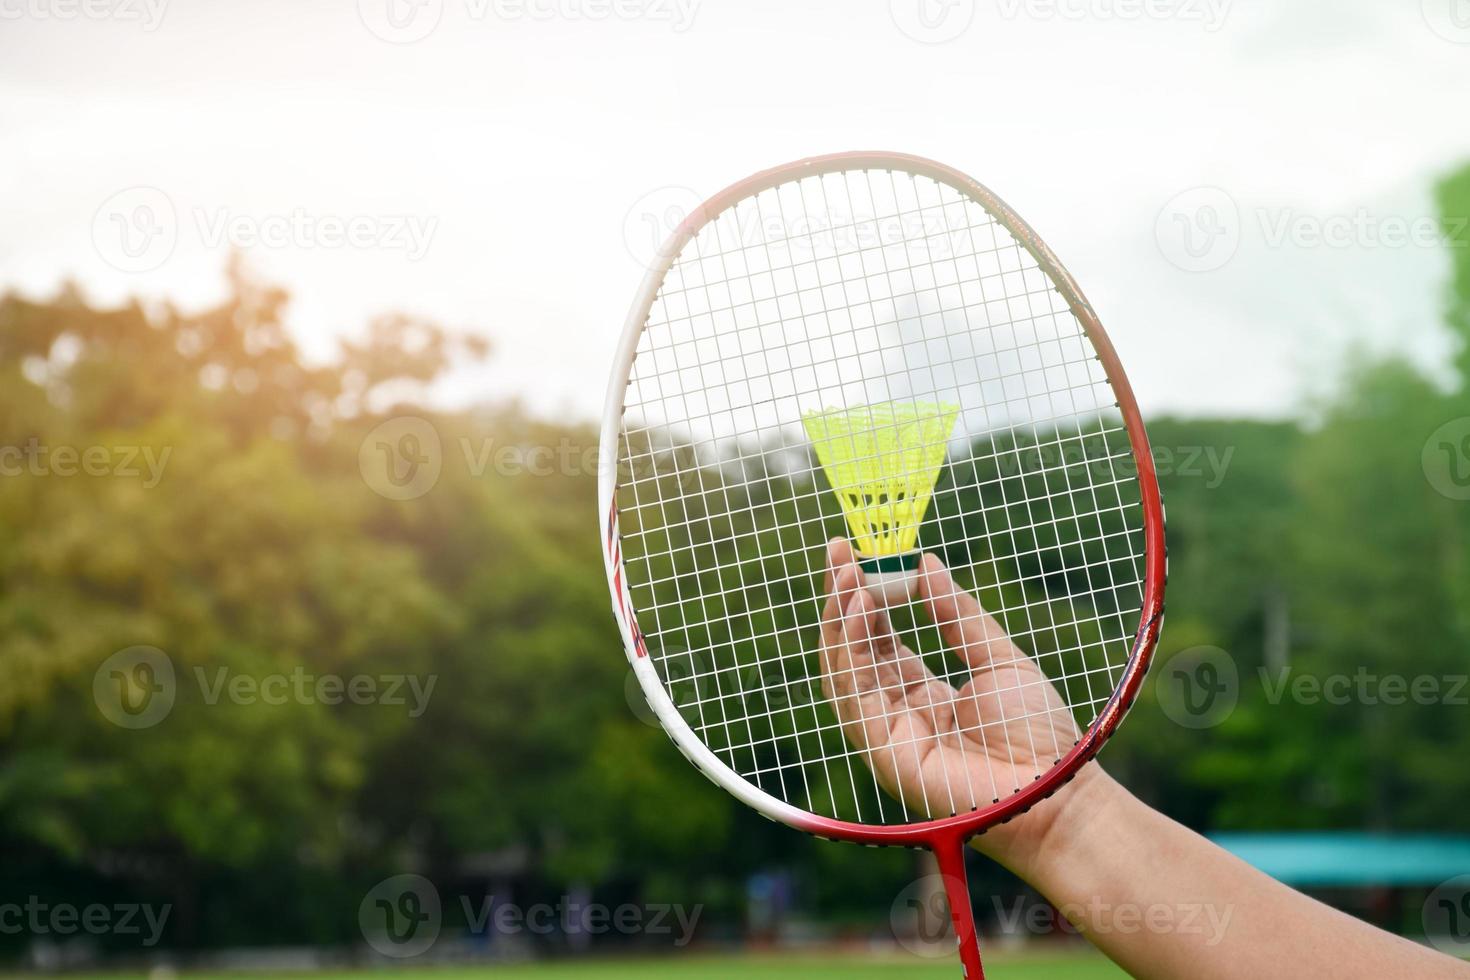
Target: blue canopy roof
1352,859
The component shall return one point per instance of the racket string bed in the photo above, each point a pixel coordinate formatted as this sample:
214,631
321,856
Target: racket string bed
690,299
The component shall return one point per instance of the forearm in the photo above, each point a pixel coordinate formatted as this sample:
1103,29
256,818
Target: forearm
1164,903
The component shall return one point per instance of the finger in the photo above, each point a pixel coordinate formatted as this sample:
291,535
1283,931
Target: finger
831,611
836,653
844,580
839,553
839,558
856,677
857,634
848,655
965,625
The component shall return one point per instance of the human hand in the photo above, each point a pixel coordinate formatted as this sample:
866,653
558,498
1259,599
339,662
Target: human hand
938,748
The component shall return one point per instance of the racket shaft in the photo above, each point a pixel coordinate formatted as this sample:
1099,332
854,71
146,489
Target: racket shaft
950,852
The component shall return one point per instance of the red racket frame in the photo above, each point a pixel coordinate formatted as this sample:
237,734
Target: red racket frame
947,837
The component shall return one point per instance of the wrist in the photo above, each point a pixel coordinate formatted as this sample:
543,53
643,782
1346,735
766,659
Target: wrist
1057,832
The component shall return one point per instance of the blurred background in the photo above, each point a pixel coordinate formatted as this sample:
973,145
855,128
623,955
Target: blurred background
307,314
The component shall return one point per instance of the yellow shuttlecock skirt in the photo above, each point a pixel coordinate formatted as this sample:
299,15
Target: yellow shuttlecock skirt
882,461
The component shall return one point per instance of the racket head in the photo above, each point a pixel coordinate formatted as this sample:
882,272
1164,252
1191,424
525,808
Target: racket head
1130,659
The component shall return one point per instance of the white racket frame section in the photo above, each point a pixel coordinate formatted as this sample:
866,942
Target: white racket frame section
653,689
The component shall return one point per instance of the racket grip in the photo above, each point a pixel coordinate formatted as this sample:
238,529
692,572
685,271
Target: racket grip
950,852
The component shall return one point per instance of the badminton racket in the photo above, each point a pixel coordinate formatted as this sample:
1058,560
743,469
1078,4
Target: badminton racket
883,537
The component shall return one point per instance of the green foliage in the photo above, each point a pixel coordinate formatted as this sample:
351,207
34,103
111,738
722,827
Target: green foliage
1453,197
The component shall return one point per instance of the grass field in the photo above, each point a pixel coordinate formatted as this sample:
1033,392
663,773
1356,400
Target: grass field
999,966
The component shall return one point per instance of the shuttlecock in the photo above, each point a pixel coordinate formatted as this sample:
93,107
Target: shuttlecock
882,461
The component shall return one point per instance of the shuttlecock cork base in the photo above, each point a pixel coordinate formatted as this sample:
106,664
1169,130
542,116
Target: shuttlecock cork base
892,579
883,461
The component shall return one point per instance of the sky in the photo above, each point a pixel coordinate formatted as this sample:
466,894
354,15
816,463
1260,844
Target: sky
1243,189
